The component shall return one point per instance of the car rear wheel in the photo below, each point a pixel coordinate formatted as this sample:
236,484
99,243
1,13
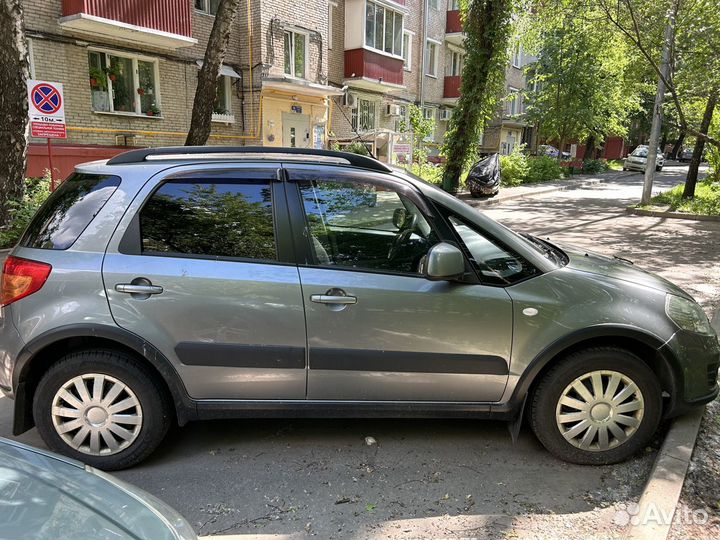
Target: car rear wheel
597,406
658,169
101,407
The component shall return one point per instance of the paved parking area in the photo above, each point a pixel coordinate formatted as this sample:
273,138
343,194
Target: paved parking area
427,478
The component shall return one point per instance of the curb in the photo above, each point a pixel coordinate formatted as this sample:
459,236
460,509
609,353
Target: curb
669,214
568,184
658,501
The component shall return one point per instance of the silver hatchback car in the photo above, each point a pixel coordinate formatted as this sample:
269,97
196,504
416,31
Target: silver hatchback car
170,285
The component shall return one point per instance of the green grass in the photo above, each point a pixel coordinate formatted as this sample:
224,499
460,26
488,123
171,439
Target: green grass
615,164
706,201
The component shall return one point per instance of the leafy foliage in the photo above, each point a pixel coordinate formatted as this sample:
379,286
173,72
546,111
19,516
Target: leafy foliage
706,200
487,27
427,171
592,166
421,128
582,80
543,169
357,148
514,168
21,212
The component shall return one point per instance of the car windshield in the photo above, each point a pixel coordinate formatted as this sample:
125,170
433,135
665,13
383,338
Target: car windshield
640,152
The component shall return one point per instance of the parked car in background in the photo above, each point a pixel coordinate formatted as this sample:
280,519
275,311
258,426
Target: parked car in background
637,160
168,285
44,496
549,150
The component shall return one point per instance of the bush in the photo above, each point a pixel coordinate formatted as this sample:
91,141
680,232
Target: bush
21,212
543,169
594,166
706,200
357,148
713,158
427,171
514,168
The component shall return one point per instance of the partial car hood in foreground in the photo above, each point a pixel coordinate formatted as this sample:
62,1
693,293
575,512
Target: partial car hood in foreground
44,496
596,263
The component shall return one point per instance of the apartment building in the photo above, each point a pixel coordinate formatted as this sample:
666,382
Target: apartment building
317,74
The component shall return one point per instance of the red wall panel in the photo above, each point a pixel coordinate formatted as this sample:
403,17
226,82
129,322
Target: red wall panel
365,63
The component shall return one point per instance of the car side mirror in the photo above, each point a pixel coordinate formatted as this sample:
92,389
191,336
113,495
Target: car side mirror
399,217
444,262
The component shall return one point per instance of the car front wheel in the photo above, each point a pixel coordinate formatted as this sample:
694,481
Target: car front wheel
102,407
597,406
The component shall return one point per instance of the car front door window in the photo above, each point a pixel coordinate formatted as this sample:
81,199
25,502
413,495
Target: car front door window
365,226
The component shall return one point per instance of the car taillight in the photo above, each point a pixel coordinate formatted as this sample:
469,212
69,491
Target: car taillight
21,278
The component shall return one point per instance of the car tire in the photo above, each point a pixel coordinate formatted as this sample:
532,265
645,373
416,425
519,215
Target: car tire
625,431
102,407
658,169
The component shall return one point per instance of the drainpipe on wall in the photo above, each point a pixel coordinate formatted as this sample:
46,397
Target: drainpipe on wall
423,48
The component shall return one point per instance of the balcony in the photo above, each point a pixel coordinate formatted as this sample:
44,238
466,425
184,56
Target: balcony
166,24
373,70
454,28
451,88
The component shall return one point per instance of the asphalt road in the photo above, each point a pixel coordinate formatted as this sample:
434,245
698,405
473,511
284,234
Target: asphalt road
426,478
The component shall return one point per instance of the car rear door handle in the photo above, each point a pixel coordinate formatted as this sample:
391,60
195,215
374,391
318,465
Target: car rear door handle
132,288
333,299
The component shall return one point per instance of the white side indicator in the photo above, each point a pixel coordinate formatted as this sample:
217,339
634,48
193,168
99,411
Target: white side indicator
530,311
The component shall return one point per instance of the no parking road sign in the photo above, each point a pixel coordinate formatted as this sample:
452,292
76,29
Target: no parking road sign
47,109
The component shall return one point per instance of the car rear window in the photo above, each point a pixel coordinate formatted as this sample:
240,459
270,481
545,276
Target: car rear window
69,210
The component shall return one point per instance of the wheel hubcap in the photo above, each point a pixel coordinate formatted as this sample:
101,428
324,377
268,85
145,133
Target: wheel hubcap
96,414
599,410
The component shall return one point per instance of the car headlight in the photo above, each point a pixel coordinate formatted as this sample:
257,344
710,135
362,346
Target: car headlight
687,315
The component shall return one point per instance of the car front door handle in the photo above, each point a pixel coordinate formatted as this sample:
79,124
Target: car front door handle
333,299
138,289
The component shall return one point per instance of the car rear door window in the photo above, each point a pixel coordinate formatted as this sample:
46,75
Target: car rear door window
224,218
365,226
69,210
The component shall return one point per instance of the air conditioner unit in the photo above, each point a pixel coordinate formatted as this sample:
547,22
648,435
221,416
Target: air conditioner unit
350,100
393,110
445,115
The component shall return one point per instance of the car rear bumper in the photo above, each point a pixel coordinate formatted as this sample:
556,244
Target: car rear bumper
10,346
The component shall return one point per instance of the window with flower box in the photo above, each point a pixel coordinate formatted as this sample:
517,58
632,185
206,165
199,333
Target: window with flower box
123,84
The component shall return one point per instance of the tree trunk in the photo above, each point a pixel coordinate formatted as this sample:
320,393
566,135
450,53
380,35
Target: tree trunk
677,146
203,105
589,148
487,26
691,182
14,70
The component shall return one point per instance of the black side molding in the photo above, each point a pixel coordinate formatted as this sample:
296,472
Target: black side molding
237,355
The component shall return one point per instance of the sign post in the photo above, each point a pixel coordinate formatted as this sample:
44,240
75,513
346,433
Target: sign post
46,108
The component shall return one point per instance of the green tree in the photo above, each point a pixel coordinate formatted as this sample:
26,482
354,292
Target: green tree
204,102
695,50
487,28
582,82
14,71
420,129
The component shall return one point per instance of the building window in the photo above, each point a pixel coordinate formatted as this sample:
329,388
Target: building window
517,54
432,49
222,105
383,29
454,5
457,61
434,4
407,50
512,102
429,113
295,54
207,6
123,84
364,117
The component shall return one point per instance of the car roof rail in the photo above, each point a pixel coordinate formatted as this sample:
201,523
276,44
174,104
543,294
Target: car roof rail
213,152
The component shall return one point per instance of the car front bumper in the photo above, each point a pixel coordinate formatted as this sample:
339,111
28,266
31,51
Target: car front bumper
696,370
